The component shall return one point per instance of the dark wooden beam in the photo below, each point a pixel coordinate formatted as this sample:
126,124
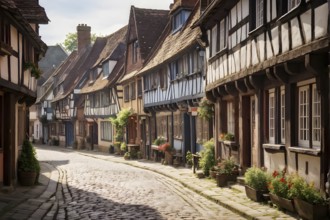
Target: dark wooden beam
280,74
291,68
240,86
222,91
270,74
255,82
231,89
248,84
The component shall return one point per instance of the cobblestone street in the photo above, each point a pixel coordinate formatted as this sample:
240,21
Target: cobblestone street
92,188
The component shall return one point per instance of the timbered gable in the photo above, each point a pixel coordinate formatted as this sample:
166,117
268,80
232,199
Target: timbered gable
256,34
174,73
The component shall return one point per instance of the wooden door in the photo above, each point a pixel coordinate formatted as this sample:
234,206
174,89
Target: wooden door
246,132
253,133
132,130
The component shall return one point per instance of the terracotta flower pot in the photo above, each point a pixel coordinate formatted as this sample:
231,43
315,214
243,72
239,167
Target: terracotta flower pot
255,195
27,178
283,203
310,211
223,179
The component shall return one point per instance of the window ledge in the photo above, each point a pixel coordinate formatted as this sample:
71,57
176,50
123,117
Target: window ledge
218,54
231,144
308,151
258,30
274,148
290,14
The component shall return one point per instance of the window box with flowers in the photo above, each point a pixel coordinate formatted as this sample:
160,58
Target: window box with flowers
168,151
227,172
279,191
256,180
228,140
35,71
308,201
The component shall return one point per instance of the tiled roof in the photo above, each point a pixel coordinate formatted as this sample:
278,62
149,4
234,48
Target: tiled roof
150,24
174,44
10,6
85,60
32,11
182,4
111,45
114,50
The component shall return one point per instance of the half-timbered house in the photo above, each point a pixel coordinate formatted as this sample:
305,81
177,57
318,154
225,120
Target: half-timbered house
20,50
101,92
268,77
66,83
41,113
144,28
174,82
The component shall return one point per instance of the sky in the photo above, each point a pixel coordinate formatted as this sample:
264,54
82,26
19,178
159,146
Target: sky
104,16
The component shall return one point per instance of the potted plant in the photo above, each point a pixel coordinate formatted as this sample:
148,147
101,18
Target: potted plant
205,109
207,159
189,159
127,155
35,71
123,148
279,193
308,201
256,181
228,171
28,166
167,149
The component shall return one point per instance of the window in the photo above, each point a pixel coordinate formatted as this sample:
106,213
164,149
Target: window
282,116
230,118
163,78
214,40
174,66
105,68
5,32
61,129
126,93
275,116
132,91
162,126
53,129
259,13
271,116
309,110
179,19
223,35
105,99
81,128
135,46
146,82
292,4
178,126
202,130
139,88
106,131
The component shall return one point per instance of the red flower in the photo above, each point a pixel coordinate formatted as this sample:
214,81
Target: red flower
275,174
282,180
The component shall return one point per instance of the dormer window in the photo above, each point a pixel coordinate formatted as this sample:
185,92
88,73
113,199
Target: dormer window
179,19
105,69
135,46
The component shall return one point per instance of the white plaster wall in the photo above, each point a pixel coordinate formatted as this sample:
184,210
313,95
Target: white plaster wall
321,21
274,161
4,67
314,169
295,33
306,20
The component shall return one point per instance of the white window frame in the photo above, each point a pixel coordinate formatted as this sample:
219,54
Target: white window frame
230,117
106,131
271,116
223,34
214,39
259,13
282,109
303,116
316,117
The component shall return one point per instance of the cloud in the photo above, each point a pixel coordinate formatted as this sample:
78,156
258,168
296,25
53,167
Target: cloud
103,16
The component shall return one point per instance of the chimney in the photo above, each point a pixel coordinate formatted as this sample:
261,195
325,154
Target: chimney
84,36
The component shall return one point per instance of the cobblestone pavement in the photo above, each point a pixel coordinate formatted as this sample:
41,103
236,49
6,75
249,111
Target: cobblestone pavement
91,188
